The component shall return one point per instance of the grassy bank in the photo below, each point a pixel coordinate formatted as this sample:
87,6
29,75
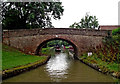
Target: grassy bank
13,58
46,51
49,51
103,65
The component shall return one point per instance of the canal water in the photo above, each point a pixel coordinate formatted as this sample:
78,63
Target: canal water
62,68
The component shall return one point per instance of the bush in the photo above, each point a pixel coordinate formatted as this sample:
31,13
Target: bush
110,50
116,31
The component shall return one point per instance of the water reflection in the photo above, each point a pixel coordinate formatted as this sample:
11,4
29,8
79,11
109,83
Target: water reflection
61,68
57,67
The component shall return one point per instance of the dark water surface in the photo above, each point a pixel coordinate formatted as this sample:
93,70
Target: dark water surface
60,68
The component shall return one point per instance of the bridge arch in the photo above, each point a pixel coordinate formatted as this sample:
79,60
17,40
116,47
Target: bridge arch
30,40
67,40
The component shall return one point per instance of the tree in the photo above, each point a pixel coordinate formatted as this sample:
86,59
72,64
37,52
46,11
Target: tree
116,31
86,22
19,15
57,42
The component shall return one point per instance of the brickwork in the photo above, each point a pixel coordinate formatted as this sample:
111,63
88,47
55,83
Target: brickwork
108,27
30,41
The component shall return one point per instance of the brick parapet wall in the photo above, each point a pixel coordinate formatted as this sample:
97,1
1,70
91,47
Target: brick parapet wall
108,27
53,31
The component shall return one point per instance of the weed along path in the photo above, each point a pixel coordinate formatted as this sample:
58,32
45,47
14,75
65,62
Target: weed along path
62,68
104,67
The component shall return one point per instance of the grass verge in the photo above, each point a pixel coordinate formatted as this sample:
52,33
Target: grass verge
46,51
94,60
103,66
12,58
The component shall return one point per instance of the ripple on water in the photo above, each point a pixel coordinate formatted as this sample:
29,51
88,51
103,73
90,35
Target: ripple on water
57,67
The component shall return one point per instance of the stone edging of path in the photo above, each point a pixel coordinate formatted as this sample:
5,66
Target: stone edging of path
102,69
18,70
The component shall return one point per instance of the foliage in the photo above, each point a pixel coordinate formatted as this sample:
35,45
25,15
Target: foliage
86,22
19,15
93,59
110,50
107,55
12,58
116,31
57,42
46,51
49,51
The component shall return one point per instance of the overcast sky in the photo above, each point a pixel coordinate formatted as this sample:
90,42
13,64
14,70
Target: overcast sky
105,10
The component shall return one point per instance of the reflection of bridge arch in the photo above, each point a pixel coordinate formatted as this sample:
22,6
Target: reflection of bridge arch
67,40
30,40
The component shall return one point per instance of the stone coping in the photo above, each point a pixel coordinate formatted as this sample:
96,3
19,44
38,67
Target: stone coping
54,31
102,69
18,70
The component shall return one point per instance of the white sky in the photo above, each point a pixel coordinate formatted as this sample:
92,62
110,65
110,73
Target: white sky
105,10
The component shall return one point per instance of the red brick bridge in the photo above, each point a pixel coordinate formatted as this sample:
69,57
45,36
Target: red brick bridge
31,40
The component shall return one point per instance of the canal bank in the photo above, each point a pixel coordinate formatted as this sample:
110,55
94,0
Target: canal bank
101,68
18,70
15,62
60,68
96,65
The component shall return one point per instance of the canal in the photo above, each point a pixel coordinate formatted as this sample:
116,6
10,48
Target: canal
62,68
